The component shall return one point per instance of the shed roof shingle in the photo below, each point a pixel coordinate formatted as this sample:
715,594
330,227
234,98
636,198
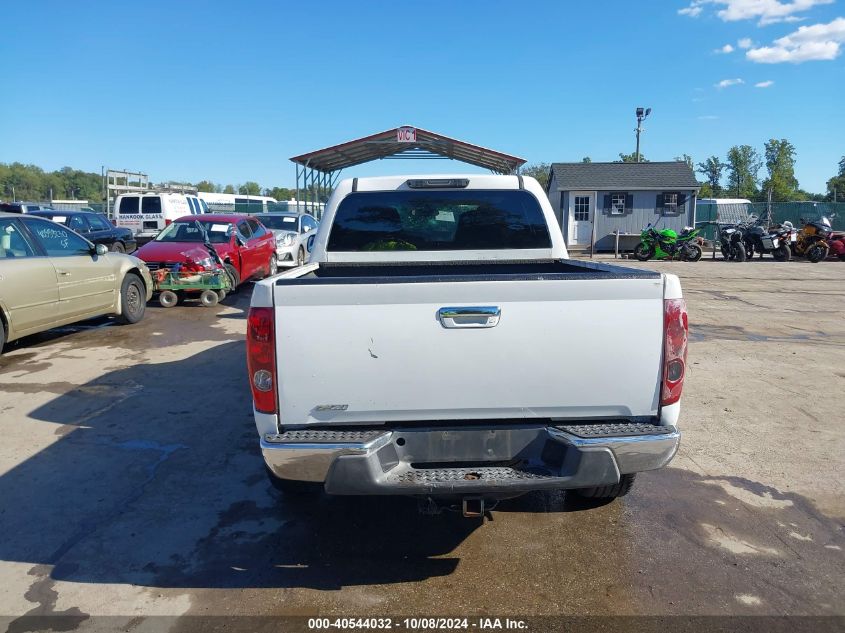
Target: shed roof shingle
624,176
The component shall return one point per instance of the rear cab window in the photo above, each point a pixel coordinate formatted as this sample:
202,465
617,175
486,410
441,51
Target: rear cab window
438,221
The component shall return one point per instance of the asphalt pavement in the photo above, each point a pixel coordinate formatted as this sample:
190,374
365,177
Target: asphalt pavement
132,485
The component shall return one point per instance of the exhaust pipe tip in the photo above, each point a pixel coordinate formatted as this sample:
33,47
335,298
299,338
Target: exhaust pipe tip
472,507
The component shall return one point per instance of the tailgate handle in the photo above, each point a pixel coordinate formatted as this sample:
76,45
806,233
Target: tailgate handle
470,316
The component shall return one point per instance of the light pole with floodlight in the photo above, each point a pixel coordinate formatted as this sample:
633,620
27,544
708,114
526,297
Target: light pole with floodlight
642,115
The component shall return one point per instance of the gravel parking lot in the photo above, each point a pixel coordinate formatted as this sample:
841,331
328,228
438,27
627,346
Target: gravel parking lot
131,483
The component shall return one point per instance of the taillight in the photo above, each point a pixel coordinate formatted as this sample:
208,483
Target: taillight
168,222
675,331
261,358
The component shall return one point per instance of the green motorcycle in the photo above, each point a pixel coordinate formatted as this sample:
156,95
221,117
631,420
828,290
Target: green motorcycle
667,244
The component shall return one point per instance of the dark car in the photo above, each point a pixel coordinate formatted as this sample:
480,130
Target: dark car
94,227
22,207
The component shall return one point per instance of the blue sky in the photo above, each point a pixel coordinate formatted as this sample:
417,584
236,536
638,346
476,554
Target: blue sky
229,91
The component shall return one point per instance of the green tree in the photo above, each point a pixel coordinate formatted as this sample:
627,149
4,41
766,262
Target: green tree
836,185
780,163
206,186
540,171
743,166
280,193
711,169
706,191
586,159
229,189
687,159
250,188
30,182
631,158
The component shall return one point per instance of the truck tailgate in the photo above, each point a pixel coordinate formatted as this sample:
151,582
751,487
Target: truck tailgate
378,352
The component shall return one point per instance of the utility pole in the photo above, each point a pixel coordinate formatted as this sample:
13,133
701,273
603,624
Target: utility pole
642,115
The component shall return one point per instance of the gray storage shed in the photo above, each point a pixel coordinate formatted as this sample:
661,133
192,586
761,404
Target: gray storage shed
622,197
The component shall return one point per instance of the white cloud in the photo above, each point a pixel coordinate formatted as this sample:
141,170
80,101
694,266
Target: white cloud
726,83
764,11
819,42
745,43
765,84
727,48
692,11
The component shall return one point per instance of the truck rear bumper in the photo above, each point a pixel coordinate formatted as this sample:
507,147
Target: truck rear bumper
469,460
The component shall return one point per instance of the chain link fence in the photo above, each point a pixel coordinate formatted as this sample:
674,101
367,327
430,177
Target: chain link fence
774,213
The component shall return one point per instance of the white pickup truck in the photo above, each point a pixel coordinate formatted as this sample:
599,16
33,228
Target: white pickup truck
441,344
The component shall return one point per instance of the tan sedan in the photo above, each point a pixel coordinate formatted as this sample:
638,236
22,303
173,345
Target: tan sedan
50,276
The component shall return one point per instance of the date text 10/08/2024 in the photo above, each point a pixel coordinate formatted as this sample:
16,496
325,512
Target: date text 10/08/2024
418,624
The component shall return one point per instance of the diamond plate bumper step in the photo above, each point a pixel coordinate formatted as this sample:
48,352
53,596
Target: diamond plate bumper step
315,436
484,474
615,429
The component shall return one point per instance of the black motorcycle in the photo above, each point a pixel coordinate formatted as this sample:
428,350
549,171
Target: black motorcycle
731,238
775,241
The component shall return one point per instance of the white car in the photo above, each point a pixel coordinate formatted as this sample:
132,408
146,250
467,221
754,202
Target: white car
294,236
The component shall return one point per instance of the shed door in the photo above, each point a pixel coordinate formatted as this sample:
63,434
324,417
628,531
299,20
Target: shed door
582,205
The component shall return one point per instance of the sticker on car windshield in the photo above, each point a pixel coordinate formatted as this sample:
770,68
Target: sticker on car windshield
288,220
59,218
219,228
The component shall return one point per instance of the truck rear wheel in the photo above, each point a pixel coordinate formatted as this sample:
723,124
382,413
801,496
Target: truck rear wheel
293,488
608,492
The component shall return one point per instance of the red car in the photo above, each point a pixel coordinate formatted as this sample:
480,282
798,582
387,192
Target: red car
245,246
837,244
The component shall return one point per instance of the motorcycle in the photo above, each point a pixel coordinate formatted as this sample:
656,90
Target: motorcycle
731,238
667,244
775,241
811,242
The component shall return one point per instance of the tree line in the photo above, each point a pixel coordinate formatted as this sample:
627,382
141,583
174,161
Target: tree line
249,188
738,176
31,183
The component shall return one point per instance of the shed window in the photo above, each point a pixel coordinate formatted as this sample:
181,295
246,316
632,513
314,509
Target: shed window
670,202
617,204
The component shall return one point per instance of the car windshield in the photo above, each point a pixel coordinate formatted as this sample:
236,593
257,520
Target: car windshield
438,221
279,222
218,232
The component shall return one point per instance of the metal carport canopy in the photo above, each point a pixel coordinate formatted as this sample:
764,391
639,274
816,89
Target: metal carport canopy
406,142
